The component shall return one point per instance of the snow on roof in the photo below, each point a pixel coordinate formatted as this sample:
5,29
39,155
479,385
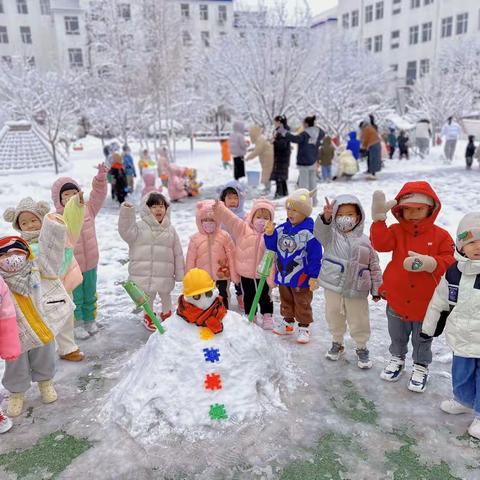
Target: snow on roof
24,147
399,122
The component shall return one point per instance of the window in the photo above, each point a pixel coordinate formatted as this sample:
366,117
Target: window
368,44
1,7
379,10
185,10
394,67
413,39
22,7
368,13
447,27
355,18
45,7
426,32
205,36
203,12
462,24
75,57
3,35
414,3
396,11
123,11
378,43
71,26
395,34
396,2
345,20
428,2
294,40
411,72
424,67
186,39
26,34
222,14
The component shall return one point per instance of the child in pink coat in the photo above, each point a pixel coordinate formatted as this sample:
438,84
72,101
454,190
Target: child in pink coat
249,251
9,341
212,249
176,182
86,248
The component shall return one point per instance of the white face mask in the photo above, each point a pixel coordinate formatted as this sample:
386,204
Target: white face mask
346,224
204,301
13,263
209,226
259,225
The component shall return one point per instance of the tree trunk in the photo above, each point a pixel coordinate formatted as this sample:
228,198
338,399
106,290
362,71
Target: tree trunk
54,152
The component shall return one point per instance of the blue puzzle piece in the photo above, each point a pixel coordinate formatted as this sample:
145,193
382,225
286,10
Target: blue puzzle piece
211,354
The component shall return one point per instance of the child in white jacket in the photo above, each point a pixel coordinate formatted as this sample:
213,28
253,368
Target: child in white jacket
456,305
155,252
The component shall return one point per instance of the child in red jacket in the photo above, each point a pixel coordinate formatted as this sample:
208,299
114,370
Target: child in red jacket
422,252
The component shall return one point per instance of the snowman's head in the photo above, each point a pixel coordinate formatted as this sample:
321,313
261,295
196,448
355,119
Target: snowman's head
199,288
203,301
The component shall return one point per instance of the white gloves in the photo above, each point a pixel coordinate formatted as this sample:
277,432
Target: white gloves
415,262
380,206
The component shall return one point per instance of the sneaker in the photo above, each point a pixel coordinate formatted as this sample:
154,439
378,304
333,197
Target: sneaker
282,327
47,391
418,380
15,404
335,352
80,333
91,327
164,316
474,428
76,356
393,370
241,305
5,423
453,407
267,321
148,323
303,335
363,356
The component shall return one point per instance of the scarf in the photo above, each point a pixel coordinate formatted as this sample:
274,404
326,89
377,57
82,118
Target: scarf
23,281
210,318
31,237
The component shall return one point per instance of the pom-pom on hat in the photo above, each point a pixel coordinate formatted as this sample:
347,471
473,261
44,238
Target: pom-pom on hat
301,201
39,209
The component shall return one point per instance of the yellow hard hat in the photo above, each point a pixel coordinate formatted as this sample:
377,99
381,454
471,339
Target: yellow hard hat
196,282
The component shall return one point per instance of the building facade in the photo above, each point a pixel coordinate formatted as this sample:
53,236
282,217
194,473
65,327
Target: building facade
409,36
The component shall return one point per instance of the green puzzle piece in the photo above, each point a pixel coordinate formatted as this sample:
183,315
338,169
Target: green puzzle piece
218,412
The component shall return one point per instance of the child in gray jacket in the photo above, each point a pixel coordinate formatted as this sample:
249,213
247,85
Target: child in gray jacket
350,271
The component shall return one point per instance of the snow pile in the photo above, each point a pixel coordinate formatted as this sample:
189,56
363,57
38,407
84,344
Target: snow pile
191,382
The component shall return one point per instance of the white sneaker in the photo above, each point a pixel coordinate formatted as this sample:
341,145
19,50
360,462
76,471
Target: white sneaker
363,356
5,423
453,407
393,370
91,327
418,380
80,333
281,327
267,321
303,335
474,428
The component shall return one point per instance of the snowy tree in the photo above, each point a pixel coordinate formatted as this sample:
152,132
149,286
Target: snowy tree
49,99
346,85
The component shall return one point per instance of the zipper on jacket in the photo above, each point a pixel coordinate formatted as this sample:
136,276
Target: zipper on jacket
53,302
210,254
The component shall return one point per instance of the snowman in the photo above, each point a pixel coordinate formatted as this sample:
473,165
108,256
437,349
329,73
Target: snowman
210,369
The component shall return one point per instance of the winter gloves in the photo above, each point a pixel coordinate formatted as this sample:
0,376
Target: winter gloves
102,172
380,206
415,262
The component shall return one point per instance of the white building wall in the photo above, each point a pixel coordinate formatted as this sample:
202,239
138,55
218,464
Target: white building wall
428,51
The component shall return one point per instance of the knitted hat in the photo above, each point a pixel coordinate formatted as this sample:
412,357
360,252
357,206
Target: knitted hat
468,230
39,209
13,244
68,186
416,200
301,201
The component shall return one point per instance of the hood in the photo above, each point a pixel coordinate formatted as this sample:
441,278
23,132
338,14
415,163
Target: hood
14,242
352,135
417,187
39,209
238,187
350,199
203,209
239,127
147,217
56,187
467,266
255,132
257,205
313,133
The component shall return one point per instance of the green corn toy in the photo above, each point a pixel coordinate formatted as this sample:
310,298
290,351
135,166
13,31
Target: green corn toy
140,299
263,270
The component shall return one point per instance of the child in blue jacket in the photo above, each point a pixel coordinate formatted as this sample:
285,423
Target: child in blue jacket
299,255
129,167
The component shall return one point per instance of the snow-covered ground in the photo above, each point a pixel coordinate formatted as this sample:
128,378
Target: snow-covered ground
340,422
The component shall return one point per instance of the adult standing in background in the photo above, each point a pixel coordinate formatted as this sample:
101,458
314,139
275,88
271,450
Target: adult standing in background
451,131
423,133
371,144
281,156
238,149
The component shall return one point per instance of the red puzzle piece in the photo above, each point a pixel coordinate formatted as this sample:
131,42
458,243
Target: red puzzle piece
213,381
